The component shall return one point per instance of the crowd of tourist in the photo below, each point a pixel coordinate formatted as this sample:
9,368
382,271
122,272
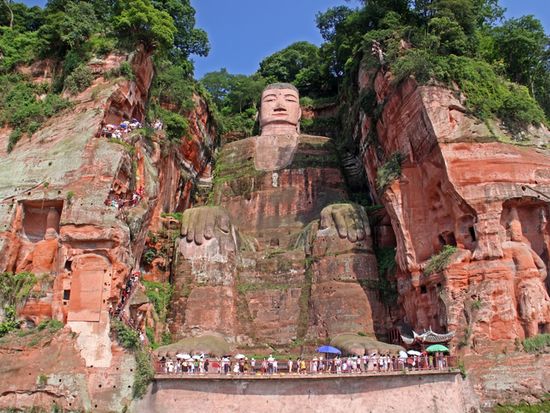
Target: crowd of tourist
122,130
118,202
374,363
125,293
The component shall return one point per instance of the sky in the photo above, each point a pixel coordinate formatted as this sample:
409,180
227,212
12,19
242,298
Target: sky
243,32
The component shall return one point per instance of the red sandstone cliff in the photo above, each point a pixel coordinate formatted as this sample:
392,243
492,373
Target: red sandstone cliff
467,184
55,222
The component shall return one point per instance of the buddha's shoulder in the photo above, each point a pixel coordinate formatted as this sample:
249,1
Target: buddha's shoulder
241,148
315,142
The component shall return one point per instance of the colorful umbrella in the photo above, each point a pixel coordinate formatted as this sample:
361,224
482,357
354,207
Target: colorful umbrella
328,349
437,347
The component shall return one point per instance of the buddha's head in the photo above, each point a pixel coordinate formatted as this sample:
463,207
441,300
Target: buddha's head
280,109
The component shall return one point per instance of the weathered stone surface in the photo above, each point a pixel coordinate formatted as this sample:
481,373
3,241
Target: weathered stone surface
55,223
459,185
271,196
395,393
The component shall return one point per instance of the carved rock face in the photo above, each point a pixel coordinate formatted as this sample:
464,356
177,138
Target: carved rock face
279,107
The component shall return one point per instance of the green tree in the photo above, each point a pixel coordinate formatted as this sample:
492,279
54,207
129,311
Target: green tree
64,30
187,39
139,22
523,46
218,84
25,18
284,66
245,92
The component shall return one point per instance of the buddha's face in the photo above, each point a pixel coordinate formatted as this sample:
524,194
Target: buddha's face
280,106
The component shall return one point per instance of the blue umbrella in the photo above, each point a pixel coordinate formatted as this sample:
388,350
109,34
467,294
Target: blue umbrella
328,349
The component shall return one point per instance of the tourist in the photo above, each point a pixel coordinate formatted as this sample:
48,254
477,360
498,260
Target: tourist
275,366
263,368
270,361
302,366
289,365
253,364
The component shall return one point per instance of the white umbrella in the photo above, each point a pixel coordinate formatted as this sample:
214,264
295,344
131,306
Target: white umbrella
239,356
271,359
414,353
402,354
184,356
197,357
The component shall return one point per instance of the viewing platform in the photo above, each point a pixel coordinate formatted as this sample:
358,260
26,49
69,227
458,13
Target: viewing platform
396,391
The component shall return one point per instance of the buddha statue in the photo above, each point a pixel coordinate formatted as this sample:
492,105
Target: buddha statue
280,193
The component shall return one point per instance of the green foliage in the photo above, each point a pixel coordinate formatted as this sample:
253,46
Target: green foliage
41,380
173,87
176,215
15,136
127,337
144,373
452,41
80,79
17,48
124,70
462,369
385,286
187,39
537,344
541,407
9,323
139,22
235,97
176,125
300,64
389,172
21,108
438,262
67,29
149,255
328,126
51,325
159,293
100,45
15,288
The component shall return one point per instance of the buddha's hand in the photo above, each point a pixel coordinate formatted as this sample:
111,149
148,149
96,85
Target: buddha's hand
204,223
350,220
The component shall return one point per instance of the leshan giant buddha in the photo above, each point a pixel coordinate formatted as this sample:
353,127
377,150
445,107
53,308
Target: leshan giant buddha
282,254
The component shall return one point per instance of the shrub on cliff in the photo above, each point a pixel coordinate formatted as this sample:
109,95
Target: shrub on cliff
537,344
389,172
24,106
80,79
438,262
127,337
160,295
144,373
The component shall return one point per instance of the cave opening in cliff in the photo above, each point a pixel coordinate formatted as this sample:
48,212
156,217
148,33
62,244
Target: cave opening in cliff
447,238
40,216
472,233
